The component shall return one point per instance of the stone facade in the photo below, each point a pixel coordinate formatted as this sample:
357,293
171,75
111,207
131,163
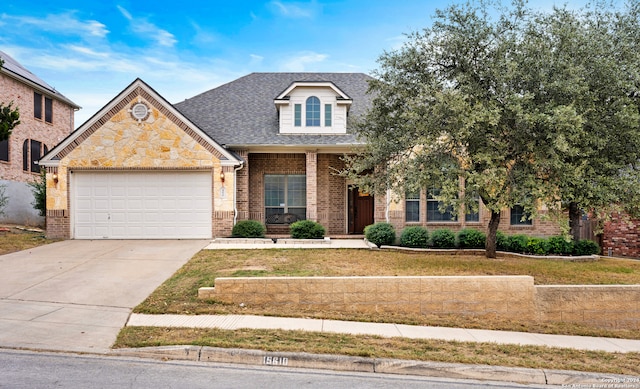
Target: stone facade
504,297
20,209
622,236
118,142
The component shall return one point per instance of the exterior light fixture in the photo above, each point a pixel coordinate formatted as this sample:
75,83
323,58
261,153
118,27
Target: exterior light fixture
55,178
221,176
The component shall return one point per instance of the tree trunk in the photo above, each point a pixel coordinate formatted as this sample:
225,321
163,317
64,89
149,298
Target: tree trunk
575,214
491,244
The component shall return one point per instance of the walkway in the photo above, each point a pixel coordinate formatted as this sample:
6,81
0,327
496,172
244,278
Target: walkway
233,322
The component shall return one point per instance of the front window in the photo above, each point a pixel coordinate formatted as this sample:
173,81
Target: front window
327,115
313,112
433,208
472,216
32,151
37,105
412,207
519,217
39,108
285,194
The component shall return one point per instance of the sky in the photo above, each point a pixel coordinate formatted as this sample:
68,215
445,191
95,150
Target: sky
91,50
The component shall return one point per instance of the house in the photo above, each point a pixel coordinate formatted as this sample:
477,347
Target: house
621,236
46,117
264,147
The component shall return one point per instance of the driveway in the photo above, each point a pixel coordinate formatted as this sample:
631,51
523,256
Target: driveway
76,295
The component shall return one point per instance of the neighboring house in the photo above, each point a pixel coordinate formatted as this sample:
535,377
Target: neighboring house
266,147
621,237
46,117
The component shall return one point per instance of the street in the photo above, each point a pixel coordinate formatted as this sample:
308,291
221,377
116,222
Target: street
25,369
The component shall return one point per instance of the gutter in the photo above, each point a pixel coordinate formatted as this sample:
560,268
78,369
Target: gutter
235,190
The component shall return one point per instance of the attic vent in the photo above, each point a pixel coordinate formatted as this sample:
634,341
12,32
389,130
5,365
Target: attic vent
139,111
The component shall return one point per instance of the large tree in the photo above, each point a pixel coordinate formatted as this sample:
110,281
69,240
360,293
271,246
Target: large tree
465,100
9,117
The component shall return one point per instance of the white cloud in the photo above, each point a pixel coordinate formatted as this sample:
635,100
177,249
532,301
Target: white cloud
148,30
302,61
294,10
65,24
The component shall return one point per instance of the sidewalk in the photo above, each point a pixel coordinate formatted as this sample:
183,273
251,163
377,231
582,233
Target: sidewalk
232,322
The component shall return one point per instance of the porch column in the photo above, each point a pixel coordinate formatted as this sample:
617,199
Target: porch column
312,185
242,186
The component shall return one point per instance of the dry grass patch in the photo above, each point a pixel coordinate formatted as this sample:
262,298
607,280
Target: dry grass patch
178,295
378,347
18,240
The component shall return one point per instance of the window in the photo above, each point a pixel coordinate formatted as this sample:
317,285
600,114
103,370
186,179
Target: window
285,194
327,115
37,107
297,115
48,110
32,151
4,150
519,217
313,112
433,208
473,216
412,207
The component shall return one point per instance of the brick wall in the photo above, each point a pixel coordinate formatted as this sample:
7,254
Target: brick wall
622,235
332,195
505,297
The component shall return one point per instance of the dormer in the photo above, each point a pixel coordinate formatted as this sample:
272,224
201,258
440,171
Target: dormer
308,107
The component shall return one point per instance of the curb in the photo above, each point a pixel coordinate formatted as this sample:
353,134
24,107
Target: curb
378,365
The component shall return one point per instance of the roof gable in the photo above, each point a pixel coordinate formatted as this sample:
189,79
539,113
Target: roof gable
137,91
242,113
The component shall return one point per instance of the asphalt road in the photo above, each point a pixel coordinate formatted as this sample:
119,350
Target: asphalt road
24,369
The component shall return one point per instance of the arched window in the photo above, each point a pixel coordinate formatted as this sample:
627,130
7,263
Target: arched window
313,112
32,151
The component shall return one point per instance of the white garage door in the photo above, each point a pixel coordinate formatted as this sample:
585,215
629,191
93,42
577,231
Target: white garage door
141,205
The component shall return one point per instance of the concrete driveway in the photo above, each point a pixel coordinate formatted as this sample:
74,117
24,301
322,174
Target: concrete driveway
76,295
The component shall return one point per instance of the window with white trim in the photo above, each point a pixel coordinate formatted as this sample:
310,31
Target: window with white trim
433,208
312,112
285,194
412,207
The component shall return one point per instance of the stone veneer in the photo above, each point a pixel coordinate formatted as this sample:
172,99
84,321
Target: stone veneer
504,297
122,143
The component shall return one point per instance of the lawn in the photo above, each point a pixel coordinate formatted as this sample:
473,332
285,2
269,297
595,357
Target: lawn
20,239
178,295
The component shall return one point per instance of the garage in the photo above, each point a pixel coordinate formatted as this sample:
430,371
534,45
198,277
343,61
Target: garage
141,204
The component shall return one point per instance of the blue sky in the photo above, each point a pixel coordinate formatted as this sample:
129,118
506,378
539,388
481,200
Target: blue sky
91,50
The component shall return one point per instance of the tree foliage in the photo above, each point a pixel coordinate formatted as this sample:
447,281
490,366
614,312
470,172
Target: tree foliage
515,103
9,117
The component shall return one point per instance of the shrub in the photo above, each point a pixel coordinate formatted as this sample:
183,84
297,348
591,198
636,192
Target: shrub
415,236
560,245
517,243
586,247
469,238
502,241
248,229
443,239
537,246
380,234
306,229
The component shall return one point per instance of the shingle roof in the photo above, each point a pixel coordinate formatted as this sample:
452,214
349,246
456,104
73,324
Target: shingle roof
16,70
243,113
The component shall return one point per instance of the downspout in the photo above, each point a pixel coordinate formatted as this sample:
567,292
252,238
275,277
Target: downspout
387,203
235,189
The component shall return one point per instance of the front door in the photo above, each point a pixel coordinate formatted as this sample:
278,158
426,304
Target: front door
361,207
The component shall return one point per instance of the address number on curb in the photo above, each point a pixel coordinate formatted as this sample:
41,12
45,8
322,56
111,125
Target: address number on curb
275,361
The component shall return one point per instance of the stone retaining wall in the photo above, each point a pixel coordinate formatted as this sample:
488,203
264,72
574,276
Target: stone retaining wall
604,306
505,297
